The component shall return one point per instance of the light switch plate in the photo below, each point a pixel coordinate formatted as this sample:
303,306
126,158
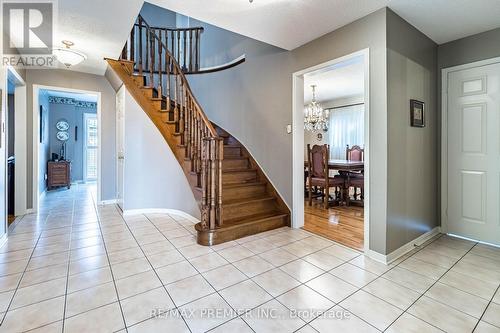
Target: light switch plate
289,129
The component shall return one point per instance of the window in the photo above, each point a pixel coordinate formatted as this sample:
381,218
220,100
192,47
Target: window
347,127
91,143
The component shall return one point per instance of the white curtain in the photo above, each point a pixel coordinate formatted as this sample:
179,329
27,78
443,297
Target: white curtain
347,126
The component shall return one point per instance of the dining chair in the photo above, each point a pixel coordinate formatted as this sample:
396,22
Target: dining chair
355,153
318,157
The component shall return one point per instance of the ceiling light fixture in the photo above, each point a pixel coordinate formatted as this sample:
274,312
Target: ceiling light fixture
315,117
67,56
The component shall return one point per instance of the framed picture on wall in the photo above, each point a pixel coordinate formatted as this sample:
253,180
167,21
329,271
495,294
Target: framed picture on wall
417,113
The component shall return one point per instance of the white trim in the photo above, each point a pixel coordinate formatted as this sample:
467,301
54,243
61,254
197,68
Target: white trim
108,202
474,240
20,146
387,259
20,151
444,132
298,140
185,215
36,139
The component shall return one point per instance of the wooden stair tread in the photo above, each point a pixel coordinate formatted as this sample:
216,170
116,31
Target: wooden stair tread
238,170
255,218
234,185
240,201
235,158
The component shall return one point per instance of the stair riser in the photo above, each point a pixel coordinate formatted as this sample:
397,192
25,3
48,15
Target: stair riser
234,164
232,151
239,177
222,235
243,192
148,92
139,80
248,208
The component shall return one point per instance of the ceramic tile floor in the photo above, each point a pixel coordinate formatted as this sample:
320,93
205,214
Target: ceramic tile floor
78,268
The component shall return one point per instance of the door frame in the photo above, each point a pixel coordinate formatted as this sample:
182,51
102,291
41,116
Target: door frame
87,115
120,95
36,136
298,140
20,151
444,132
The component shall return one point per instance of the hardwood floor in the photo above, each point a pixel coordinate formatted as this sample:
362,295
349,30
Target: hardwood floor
342,224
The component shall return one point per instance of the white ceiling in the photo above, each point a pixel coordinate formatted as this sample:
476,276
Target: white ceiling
342,80
77,96
99,28
291,23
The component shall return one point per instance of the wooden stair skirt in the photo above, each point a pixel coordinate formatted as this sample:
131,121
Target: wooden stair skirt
250,204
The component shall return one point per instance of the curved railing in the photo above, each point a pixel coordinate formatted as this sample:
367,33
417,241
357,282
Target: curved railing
203,146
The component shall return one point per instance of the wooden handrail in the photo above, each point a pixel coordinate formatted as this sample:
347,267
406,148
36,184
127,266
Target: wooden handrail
185,44
165,76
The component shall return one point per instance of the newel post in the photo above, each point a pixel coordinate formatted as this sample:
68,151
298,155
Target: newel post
211,182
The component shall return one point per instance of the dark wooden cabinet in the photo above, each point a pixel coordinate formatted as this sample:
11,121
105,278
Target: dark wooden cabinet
59,174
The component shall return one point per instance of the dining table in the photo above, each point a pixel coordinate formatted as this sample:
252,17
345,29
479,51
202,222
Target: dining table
344,167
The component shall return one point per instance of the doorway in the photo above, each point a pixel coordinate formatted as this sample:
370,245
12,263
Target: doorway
470,146
67,137
341,87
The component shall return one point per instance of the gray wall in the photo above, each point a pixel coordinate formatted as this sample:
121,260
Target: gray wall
74,148
412,200
254,101
153,179
157,16
70,79
44,146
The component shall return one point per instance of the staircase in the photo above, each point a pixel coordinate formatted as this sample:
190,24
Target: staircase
235,197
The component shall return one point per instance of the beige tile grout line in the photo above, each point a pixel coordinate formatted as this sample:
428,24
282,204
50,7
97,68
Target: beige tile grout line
19,282
109,262
273,265
486,309
154,270
67,267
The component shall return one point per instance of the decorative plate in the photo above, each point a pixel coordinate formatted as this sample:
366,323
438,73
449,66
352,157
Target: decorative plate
62,136
62,125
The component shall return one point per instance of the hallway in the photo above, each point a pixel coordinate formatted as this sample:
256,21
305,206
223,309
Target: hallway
75,268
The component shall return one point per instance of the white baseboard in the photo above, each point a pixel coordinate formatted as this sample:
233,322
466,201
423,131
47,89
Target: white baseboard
108,202
387,259
185,215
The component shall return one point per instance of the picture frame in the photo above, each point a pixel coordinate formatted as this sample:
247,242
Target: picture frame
417,113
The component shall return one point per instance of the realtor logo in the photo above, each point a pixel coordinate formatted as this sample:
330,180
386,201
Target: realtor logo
28,32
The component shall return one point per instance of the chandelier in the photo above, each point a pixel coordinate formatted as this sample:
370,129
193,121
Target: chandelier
315,117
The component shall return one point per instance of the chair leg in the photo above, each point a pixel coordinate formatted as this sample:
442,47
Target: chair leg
310,194
325,198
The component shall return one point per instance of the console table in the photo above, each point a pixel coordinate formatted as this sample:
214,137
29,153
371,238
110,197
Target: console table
58,174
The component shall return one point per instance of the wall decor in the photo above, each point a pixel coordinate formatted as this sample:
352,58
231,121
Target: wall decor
417,113
62,125
319,137
72,101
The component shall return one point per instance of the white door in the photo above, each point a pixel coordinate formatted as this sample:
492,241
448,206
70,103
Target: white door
474,153
90,147
120,139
